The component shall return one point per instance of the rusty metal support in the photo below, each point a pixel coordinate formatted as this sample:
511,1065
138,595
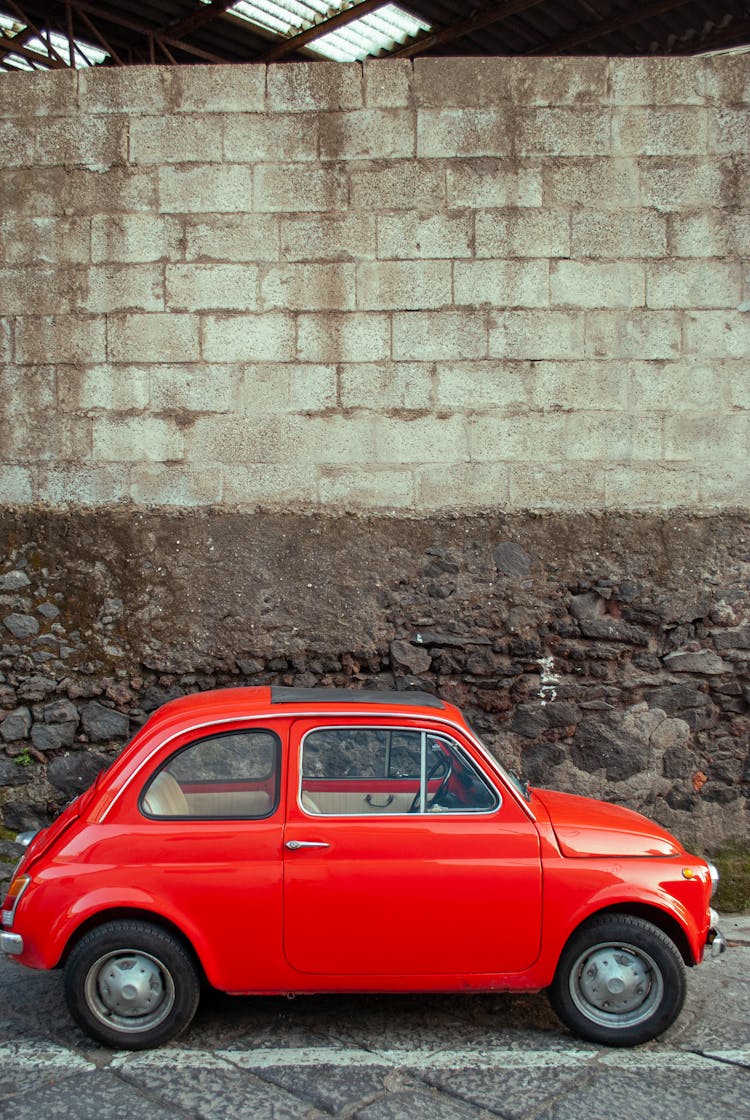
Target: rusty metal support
736,33
203,14
163,48
607,26
485,18
341,19
144,32
9,46
95,31
21,15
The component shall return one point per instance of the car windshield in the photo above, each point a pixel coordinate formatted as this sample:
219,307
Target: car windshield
510,776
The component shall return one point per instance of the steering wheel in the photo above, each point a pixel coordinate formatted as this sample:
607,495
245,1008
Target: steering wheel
447,761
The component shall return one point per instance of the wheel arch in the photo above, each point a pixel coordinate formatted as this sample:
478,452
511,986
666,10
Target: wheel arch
664,921
131,913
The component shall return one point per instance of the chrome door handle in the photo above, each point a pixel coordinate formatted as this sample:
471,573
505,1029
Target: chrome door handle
293,845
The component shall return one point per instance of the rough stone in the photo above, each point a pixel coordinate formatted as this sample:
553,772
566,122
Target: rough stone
738,637
21,625
588,605
532,720
613,630
415,658
16,726
14,581
61,711
102,724
11,773
703,661
53,736
72,774
601,742
511,559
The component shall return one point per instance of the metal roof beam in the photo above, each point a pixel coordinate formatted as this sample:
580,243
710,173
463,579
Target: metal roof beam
494,14
144,32
606,26
8,45
21,15
340,19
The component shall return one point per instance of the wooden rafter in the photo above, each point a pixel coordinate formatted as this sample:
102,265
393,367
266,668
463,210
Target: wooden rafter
21,15
143,32
485,18
606,26
341,19
8,45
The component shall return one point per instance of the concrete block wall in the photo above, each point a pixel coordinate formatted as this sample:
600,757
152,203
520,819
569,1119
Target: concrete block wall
405,286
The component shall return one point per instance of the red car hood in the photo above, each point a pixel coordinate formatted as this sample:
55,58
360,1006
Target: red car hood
585,827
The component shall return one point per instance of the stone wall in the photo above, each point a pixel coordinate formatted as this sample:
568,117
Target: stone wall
430,374
501,283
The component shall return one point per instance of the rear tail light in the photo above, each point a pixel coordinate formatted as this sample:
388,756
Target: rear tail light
17,886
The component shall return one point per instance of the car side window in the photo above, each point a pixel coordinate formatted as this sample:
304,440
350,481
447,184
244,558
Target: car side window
365,771
230,776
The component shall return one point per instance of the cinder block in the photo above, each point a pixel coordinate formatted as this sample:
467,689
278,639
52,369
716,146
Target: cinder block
308,287
94,142
66,438
218,89
367,134
275,388
341,337
533,335
675,386
114,190
406,386
447,133
629,233
596,284
614,436
727,79
134,238
248,338
232,237
660,132
110,388
206,287
522,233
430,439
575,81
555,485
290,188
482,386
462,485
270,138
483,183
183,140
16,485
657,81
522,438
59,338
399,285
17,144
439,335
194,388
707,233
648,335
211,188
729,131
682,184
270,439
164,337
51,93
461,83
722,484
426,236
305,87
691,284
136,439
124,287
32,192
141,90
92,485
583,131
28,389
733,375
596,184
268,485
40,291
337,237
717,333
366,488
185,485
576,384
405,185
387,82
502,283
696,438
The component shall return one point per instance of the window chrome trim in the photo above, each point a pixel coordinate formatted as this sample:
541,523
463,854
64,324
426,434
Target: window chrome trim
424,731
266,717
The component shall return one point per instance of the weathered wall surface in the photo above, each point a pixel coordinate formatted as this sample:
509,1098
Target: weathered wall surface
477,331
449,283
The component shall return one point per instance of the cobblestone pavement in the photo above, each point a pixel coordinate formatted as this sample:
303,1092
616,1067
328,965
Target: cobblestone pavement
382,1058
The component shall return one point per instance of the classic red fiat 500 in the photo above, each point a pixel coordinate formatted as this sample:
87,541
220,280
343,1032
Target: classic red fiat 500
276,840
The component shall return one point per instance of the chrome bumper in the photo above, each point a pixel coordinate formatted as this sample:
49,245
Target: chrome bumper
11,943
716,938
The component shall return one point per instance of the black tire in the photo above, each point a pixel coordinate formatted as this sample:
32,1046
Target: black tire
620,981
131,985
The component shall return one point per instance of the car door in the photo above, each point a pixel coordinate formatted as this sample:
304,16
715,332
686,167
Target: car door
398,862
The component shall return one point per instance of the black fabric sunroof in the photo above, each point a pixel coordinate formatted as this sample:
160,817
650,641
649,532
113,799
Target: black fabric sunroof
368,696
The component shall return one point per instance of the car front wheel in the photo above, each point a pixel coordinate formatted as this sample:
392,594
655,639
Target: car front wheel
620,981
131,985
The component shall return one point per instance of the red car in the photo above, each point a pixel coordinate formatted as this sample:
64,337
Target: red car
279,840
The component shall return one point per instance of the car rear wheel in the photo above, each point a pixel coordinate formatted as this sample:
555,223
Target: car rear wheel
620,981
131,985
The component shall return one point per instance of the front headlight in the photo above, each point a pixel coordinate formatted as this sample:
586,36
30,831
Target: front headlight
714,873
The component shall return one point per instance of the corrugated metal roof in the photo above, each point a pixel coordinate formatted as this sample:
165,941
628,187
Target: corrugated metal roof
185,31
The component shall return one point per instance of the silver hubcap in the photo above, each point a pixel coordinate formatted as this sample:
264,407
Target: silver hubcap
616,985
130,990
